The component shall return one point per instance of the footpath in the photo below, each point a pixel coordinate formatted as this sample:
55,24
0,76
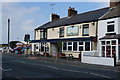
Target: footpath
74,62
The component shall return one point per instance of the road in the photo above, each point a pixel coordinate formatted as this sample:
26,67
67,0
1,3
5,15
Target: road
19,68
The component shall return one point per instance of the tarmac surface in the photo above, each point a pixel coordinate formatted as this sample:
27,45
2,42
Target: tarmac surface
16,66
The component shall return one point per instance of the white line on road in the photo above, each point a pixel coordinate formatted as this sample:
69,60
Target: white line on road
53,67
5,69
59,69
86,73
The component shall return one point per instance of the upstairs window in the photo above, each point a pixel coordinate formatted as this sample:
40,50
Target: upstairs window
86,30
110,26
43,34
73,31
61,32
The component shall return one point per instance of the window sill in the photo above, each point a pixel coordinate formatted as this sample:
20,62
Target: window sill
85,35
110,33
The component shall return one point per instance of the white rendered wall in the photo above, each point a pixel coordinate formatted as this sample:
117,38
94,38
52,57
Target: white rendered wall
91,58
119,25
102,26
98,60
102,29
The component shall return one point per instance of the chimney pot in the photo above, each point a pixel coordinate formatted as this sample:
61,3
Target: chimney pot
54,16
71,12
113,3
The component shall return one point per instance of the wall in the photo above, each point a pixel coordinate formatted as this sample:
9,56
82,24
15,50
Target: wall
102,27
98,60
91,57
75,54
102,30
37,34
119,25
53,33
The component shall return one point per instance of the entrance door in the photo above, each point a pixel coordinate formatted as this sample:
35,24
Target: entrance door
54,49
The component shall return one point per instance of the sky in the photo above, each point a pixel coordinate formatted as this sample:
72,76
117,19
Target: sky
26,16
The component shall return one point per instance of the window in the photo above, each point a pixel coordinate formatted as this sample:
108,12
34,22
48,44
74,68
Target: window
86,30
69,46
42,47
61,32
36,46
110,26
87,46
73,31
64,46
75,46
43,34
108,48
80,48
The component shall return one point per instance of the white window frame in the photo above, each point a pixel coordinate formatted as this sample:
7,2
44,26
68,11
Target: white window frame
77,46
109,45
110,24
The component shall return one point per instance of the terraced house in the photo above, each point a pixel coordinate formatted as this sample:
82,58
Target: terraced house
69,35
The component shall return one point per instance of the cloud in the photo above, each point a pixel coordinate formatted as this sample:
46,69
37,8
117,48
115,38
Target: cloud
55,0
21,20
27,25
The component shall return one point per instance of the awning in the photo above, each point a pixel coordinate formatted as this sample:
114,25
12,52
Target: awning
115,36
61,40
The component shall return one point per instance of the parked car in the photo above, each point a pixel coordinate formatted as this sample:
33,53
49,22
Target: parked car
5,49
1,49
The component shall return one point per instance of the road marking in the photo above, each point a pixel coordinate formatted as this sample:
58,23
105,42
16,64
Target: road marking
5,69
53,67
86,73
22,62
56,69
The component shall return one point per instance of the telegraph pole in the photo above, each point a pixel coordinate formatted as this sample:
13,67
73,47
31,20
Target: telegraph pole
8,34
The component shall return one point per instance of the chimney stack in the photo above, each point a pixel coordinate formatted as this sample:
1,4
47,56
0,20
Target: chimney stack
71,12
113,3
54,17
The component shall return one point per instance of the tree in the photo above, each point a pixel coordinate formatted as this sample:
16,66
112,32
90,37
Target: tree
13,44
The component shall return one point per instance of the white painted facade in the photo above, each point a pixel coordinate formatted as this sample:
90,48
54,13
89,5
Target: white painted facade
102,26
102,30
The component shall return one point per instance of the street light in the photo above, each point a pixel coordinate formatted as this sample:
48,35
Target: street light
8,33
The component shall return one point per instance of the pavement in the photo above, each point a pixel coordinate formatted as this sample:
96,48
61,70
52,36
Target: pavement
68,62
20,67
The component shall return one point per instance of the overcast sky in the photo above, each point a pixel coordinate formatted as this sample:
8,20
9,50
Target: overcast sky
26,16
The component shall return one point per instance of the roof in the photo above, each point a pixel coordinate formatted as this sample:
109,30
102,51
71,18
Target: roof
75,19
114,36
113,12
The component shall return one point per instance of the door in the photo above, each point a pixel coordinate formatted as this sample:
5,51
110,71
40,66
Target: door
54,49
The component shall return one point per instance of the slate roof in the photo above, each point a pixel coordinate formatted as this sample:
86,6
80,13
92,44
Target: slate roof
114,12
116,36
75,19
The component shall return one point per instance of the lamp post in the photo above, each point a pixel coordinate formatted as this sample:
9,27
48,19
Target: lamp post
8,33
